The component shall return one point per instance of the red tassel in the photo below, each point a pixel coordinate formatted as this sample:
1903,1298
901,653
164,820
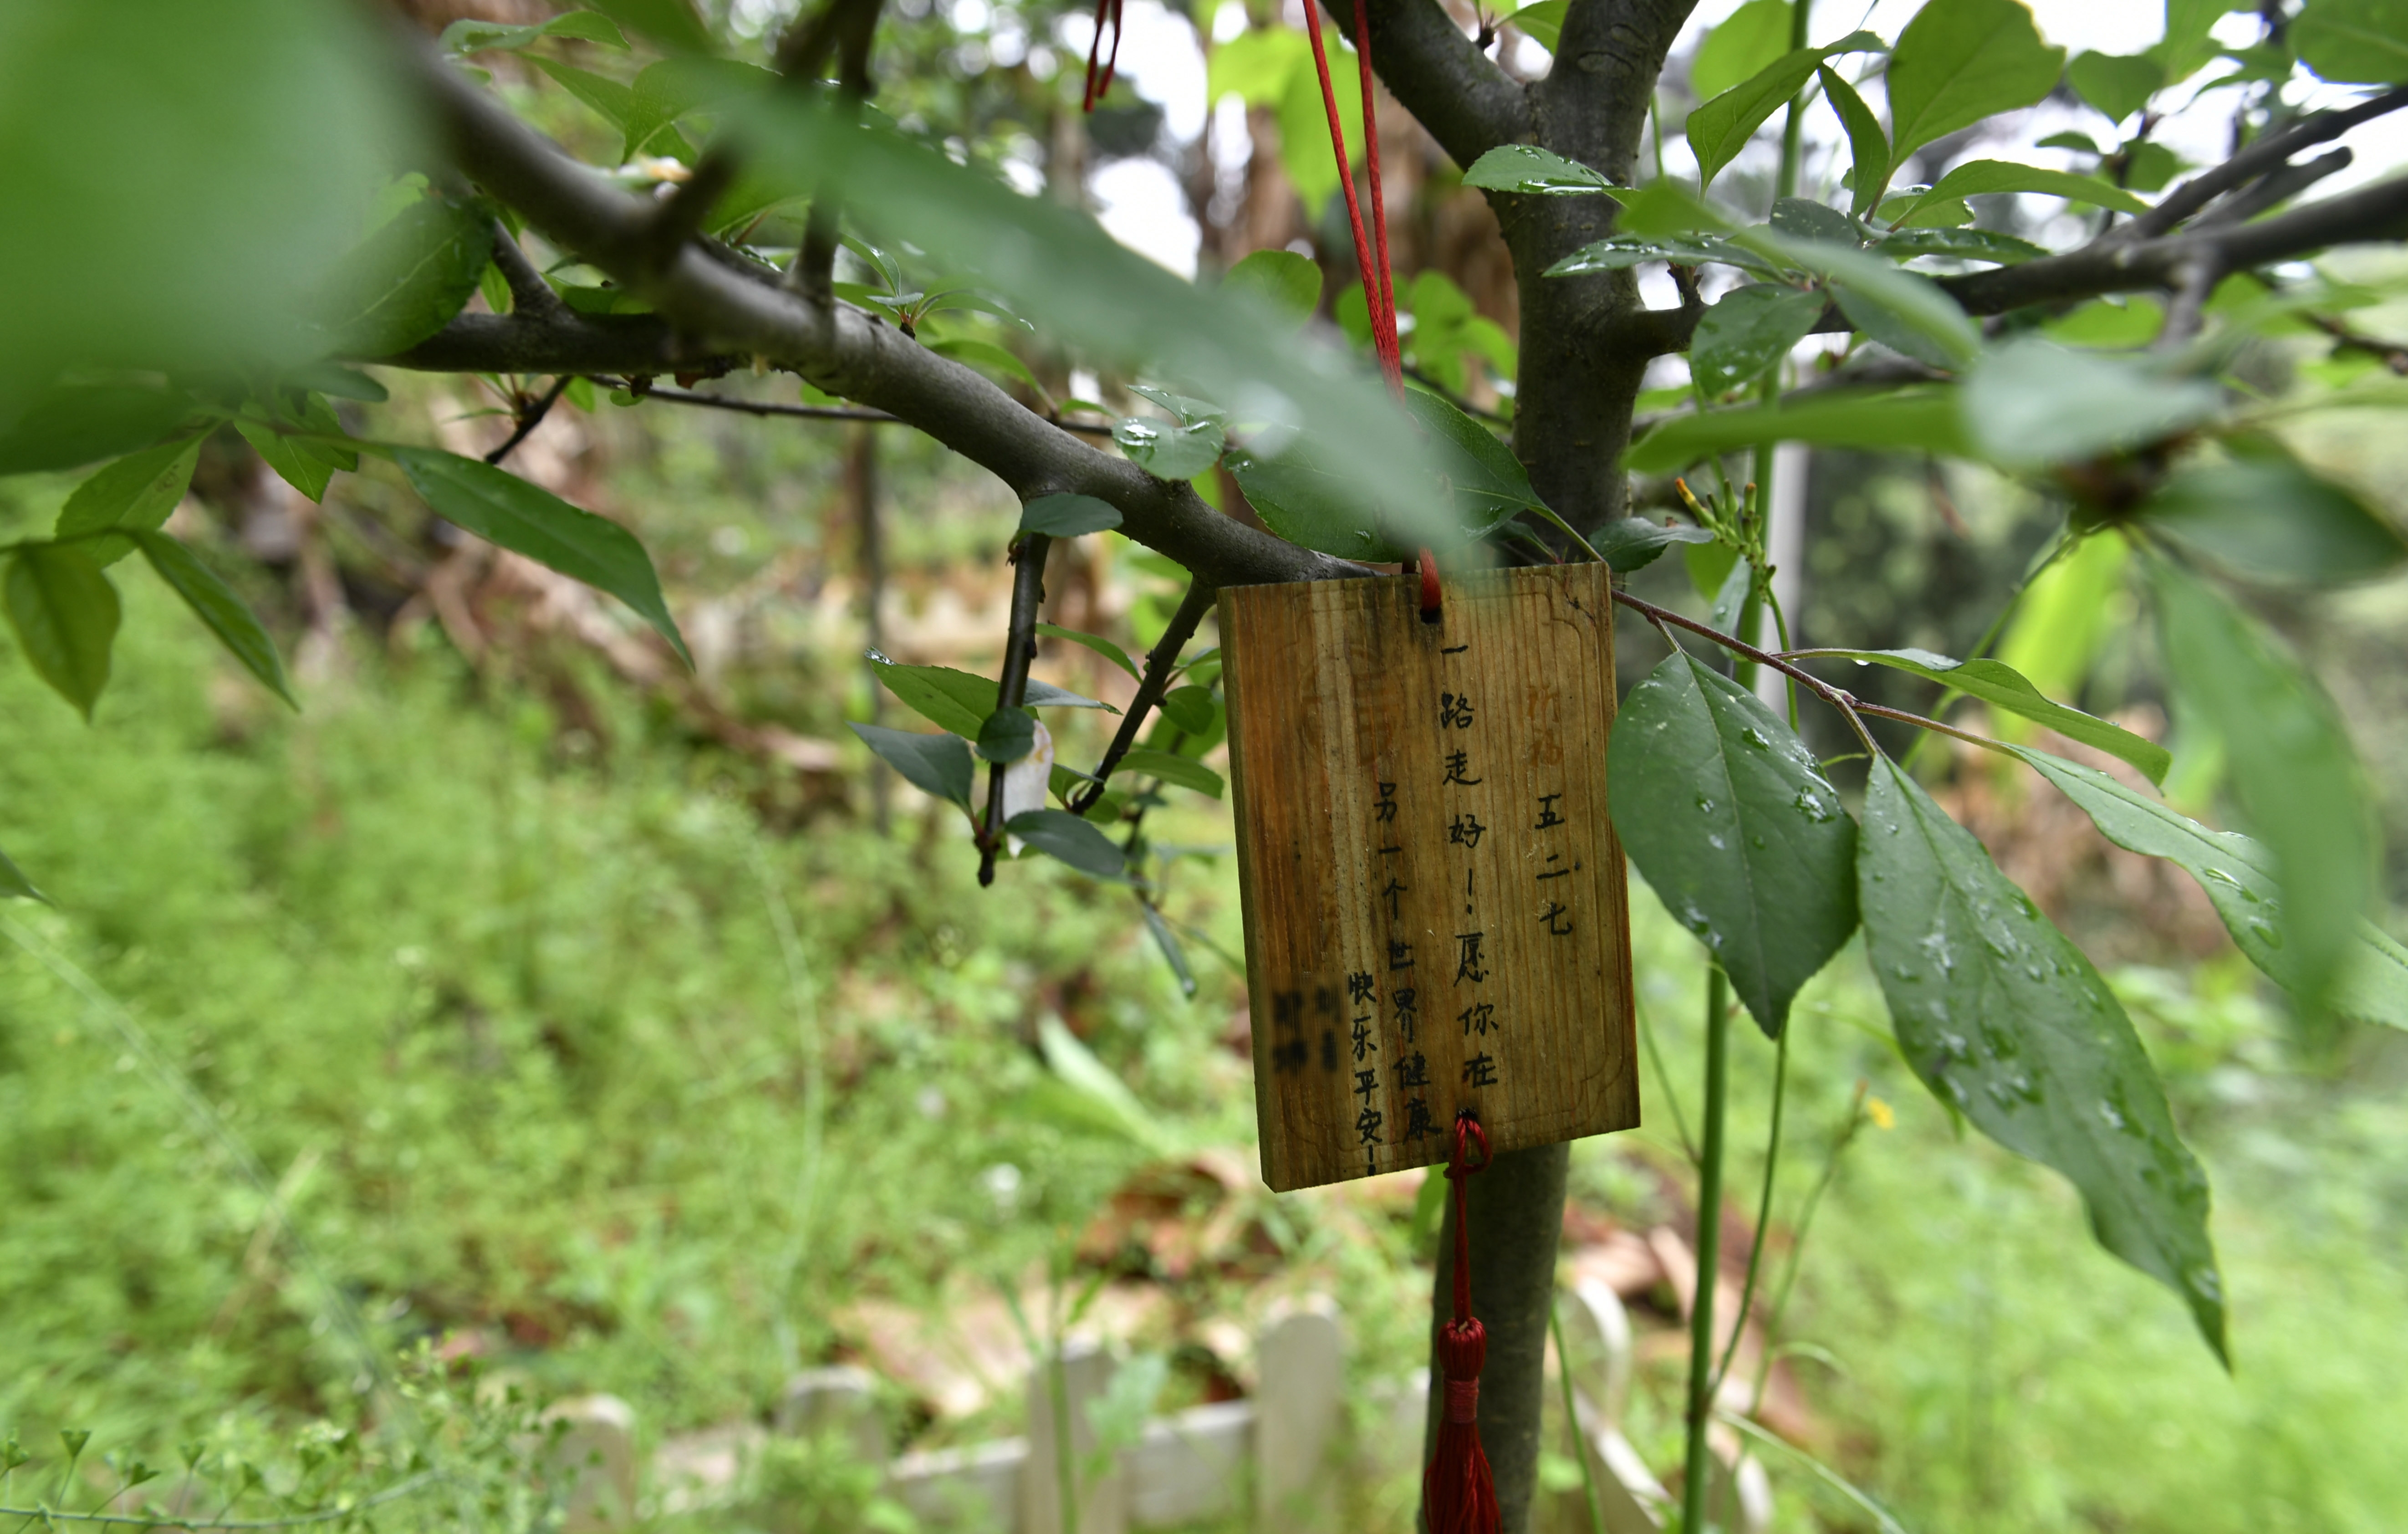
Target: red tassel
1458,1491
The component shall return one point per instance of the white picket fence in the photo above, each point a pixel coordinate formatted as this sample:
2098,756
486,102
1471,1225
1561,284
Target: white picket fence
1281,1454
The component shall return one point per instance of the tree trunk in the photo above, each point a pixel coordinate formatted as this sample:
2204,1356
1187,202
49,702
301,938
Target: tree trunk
1573,411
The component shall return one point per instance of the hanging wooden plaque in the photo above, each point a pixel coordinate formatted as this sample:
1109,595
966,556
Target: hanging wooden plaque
1435,908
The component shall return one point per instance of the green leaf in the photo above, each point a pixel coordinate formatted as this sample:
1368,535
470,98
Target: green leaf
1192,709
1709,563
1960,60
1900,309
2287,761
181,177
1303,500
406,280
215,604
1904,422
960,702
1749,40
1532,171
1096,642
525,519
2237,875
1059,834
64,612
1730,818
2354,42
668,90
14,885
1172,954
138,492
2002,686
75,423
304,471
2006,1021
1802,218
2117,85
2030,403
473,36
1068,516
1169,452
1061,270
1488,482
1544,21
1868,146
1186,408
2271,520
1618,252
1184,771
615,103
937,764
1007,735
1634,542
1285,283
1096,1095
1978,177
1721,128
1972,244
1747,331
671,24
327,378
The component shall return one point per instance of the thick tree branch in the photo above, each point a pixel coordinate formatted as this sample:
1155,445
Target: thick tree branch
1467,104
710,314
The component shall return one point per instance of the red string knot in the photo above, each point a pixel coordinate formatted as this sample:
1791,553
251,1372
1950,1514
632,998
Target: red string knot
1463,1400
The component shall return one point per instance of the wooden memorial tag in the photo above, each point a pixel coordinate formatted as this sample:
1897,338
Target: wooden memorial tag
1435,910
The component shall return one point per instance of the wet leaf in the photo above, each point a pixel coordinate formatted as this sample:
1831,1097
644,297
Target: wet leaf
1720,128
2237,875
2287,761
2002,686
1730,818
1747,331
2006,1021
1634,542
1528,170
1169,452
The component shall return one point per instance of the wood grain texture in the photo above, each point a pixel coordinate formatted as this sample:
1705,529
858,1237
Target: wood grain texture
1435,908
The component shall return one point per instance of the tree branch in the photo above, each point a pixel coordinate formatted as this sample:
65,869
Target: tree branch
1467,104
2377,212
1157,682
823,412
2263,158
710,316
529,291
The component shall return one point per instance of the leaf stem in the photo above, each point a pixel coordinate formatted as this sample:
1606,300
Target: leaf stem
1695,1474
1763,1208
1839,1142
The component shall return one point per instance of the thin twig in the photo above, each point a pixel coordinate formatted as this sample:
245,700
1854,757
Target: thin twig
1763,1216
2194,284
530,418
1161,661
1019,649
806,412
2392,355
1837,698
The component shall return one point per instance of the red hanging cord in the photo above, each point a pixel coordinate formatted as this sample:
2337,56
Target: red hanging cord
1370,258
1095,54
1458,1491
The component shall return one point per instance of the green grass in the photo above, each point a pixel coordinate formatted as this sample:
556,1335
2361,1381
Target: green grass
511,1024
